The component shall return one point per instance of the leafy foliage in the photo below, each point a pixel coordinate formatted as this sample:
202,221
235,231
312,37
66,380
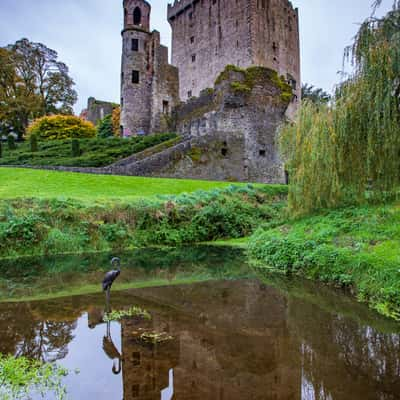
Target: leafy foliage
58,127
336,154
54,226
33,83
75,148
116,121
316,95
20,378
105,127
93,152
34,143
11,142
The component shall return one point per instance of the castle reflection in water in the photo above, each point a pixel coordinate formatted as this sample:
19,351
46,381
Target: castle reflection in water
231,340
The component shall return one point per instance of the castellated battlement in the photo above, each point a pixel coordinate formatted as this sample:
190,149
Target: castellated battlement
178,7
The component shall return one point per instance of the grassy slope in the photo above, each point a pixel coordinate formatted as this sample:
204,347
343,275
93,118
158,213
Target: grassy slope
355,247
26,183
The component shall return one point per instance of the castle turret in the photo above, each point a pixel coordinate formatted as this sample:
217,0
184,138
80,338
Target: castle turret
149,85
136,70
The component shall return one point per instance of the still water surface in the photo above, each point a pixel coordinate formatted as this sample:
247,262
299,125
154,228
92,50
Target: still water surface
235,333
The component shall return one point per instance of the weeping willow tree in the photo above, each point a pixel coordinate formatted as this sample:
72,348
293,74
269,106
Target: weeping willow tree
342,152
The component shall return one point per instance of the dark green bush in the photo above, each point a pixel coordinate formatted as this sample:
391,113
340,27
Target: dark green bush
75,148
105,127
34,143
11,142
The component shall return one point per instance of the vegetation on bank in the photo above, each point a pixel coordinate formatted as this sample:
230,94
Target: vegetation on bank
34,227
356,248
94,152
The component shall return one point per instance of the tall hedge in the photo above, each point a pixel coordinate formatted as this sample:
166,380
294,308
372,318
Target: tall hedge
61,127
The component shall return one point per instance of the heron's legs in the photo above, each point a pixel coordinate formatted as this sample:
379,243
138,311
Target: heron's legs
108,300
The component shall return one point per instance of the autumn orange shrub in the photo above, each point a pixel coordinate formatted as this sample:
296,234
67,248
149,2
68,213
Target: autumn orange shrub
61,127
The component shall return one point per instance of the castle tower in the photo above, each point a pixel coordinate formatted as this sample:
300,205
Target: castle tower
149,85
135,91
207,35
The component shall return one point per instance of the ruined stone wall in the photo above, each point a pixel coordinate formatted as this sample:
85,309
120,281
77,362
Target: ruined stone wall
165,88
237,127
97,110
207,35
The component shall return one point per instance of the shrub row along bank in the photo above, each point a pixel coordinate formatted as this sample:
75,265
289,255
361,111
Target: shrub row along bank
357,248
97,152
35,227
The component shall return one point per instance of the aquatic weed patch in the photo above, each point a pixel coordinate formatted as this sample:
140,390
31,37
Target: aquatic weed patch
131,312
20,378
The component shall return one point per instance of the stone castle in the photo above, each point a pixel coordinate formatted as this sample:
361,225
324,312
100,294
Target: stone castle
234,78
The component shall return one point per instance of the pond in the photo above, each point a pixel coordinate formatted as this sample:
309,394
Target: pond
229,332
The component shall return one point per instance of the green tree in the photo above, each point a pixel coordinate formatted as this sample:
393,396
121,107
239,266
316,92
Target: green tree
17,101
338,153
316,95
33,83
105,127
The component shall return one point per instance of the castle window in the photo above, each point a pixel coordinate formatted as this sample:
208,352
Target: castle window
136,359
193,57
165,106
214,1
135,76
137,16
189,94
192,39
190,15
224,152
135,44
135,391
262,153
121,131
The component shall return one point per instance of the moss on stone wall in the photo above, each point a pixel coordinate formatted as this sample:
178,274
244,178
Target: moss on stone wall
254,75
224,75
195,154
239,87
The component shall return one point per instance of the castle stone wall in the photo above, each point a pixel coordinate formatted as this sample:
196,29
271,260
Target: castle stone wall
207,35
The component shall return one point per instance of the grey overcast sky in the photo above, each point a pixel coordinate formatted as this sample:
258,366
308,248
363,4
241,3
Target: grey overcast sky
86,34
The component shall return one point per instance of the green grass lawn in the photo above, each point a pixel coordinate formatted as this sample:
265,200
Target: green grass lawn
27,183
